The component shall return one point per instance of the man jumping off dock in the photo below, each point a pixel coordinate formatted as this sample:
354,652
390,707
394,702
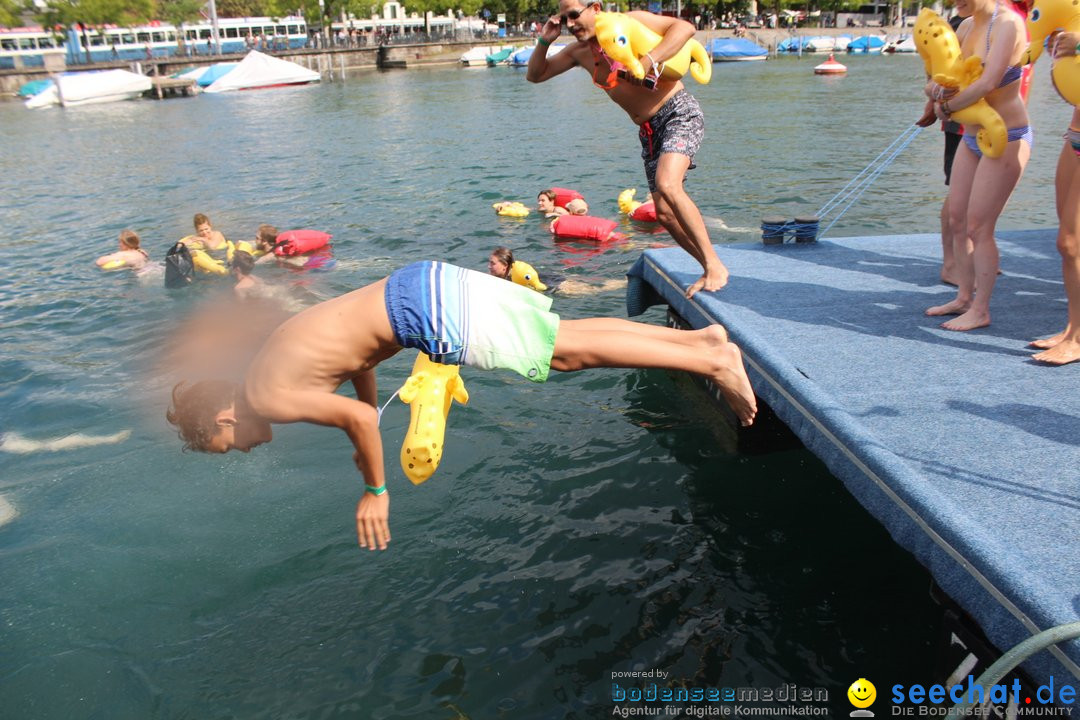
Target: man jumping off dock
671,122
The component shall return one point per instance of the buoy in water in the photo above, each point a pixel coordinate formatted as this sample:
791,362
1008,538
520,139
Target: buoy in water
830,67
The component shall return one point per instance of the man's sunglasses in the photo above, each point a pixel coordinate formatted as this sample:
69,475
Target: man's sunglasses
573,15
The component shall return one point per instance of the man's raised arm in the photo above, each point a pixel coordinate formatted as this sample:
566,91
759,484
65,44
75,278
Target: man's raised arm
542,68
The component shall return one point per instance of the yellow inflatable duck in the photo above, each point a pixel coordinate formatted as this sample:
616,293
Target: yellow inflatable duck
429,391
1045,17
511,209
940,51
523,273
204,262
625,39
627,203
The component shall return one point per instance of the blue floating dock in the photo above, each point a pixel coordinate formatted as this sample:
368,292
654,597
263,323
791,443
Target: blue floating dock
967,451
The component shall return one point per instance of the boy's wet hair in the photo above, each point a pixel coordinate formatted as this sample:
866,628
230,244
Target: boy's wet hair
194,410
267,234
243,261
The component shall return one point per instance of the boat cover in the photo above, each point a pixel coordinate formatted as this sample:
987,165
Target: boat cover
84,88
735,48
257,70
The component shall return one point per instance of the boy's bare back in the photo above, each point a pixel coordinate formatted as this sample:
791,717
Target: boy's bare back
318,350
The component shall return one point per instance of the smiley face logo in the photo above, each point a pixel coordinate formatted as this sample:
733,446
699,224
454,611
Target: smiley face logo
862,693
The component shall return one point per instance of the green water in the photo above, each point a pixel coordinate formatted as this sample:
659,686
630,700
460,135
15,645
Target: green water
605,522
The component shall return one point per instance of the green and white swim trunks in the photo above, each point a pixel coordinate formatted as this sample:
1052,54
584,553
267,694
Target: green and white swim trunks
463,317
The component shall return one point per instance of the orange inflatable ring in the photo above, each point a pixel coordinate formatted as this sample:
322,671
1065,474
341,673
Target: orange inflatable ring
583,227
646,212
564,195
299,242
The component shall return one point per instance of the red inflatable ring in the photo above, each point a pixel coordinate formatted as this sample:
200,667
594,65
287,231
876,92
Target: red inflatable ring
299,242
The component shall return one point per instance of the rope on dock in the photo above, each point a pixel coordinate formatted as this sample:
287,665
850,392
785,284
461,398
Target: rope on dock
1015,656
858,184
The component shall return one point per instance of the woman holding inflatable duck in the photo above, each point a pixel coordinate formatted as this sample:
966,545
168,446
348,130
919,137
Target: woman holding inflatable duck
670,119
1064,347
982,181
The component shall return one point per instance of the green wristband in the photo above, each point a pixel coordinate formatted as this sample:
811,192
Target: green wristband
381,490
543,41
1078,48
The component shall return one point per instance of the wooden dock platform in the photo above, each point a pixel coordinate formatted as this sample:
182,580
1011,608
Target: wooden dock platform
173,86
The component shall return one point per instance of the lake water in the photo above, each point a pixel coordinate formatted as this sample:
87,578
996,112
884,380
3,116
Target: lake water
603,523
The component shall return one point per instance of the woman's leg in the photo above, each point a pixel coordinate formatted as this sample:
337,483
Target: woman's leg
963,176
994,181
1065,346
579,346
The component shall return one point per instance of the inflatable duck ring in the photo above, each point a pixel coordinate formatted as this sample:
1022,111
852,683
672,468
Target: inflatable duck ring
511,209
429,391
625,39
1047,16
525,274
940,51
644,212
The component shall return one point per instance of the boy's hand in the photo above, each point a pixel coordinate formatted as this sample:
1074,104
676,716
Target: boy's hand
372,521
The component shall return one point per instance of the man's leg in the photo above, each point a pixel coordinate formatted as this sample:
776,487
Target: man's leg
678,214
579,346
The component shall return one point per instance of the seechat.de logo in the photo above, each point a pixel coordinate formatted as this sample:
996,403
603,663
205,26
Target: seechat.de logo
862,695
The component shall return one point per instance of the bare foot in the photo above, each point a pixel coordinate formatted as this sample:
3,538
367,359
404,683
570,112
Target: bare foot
1064,352
732,381
715,335
968,321
1047,343
713,279
950,308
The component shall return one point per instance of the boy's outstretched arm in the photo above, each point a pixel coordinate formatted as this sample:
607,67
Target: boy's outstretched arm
360,421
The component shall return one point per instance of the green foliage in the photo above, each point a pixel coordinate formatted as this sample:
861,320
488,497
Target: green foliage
11,12
98,12
178,12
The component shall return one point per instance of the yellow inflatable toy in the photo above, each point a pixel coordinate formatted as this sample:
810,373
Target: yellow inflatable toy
1045,17
525,274
429,391
940,51
627,203
511,209
625,40
204,262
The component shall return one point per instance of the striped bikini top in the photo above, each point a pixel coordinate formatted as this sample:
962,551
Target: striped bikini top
1013,72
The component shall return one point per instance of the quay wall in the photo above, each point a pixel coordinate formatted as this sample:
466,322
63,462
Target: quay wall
338,63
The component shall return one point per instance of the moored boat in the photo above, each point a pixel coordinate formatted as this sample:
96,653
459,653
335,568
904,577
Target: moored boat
735,50
257,70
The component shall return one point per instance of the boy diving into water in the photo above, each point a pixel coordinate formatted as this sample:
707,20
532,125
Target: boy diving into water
457,317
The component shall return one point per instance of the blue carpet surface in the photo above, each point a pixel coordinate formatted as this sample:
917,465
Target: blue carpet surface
964,448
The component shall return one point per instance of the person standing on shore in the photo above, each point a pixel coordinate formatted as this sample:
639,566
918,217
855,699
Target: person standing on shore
670,119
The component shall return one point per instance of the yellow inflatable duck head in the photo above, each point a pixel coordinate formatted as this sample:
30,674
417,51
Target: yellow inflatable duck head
1045,17
625,39
525,274
939,49
511,209
429,391
627,203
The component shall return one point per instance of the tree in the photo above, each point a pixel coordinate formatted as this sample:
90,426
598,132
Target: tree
96,13
178,12
11,12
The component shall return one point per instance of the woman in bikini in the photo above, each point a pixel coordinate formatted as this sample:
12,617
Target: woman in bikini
1064,347
980,186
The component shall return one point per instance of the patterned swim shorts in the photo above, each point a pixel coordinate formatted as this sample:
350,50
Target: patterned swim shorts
677,127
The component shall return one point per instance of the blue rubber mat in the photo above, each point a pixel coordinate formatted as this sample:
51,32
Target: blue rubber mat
965,449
